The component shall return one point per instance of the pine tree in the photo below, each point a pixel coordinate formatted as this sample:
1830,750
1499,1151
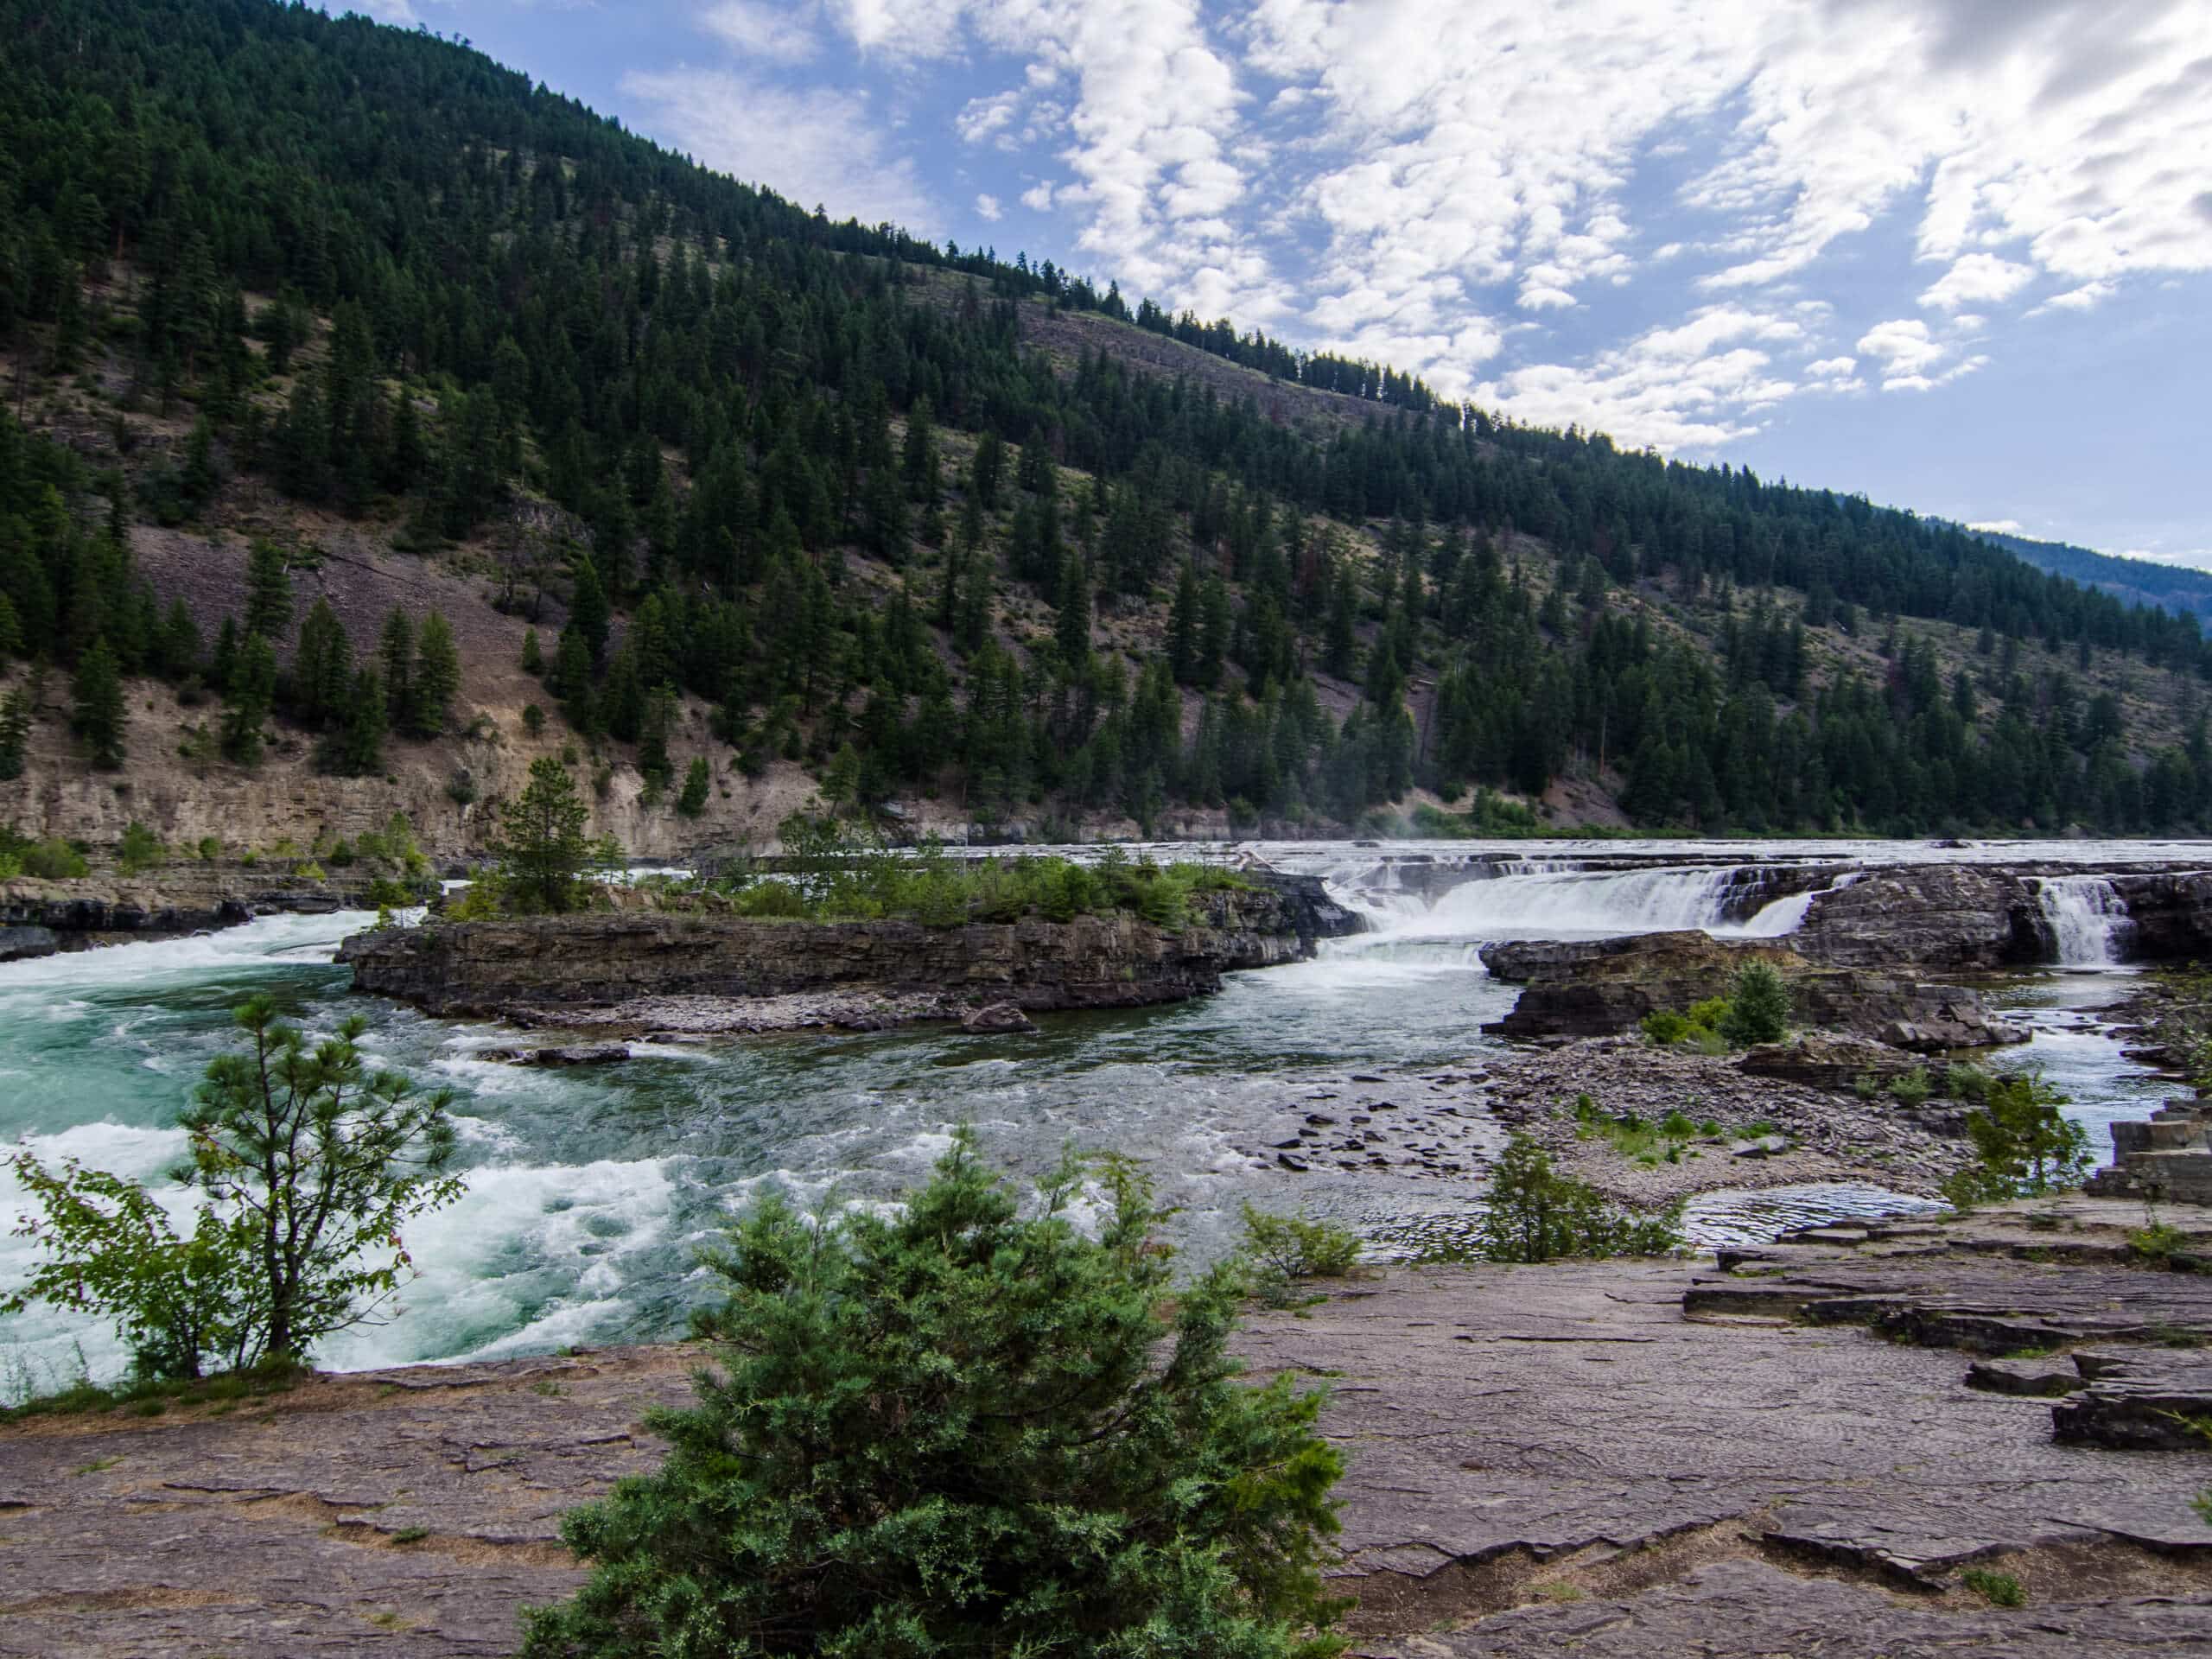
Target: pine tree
437,678
96,711
15,734
247,700
268,592
395,662
587,608
322,668
533,660
698,779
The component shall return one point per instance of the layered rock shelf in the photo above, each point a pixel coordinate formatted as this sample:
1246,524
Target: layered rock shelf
1598,1459
1602,988
650,972
38,918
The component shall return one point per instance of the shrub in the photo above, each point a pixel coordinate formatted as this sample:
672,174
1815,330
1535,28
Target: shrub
54,860
1677,1124
1867,1086
1665,1026
211,848
1966,1083
1291,1248
1535,1214
1712,1013
2025,1146
948,1429
533,719
1913,1088
1758,1007
141,849
1998,1589
342,854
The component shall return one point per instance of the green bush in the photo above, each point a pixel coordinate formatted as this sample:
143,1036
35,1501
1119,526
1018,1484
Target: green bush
1712,1013
2025,1146
1285,1249
1677,1123
210,849
1758,1007
1665,1026
1535,1214
949,1429
1867,1086
1998,1589
54,860
1967,1082
1913,1089
141,849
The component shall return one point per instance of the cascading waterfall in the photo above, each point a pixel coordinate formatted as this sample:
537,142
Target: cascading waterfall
1552,903
2088,917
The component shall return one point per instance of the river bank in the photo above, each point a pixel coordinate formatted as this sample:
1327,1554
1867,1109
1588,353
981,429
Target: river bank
1539,1459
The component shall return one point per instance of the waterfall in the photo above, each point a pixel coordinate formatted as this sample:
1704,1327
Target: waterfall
1552,903
2088,917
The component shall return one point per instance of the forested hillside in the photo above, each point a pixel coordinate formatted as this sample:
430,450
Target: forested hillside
2178,588
581,449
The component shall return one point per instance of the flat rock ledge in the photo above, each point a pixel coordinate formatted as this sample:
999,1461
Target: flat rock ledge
1563,1459
641,972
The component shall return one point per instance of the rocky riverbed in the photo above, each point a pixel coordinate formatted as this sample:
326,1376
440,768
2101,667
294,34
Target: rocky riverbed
1771,1129
1634,1460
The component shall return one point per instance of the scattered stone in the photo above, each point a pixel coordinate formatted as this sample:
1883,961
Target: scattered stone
1765,1145
2036,1378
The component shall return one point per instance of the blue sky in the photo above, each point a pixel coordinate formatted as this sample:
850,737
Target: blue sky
1954,254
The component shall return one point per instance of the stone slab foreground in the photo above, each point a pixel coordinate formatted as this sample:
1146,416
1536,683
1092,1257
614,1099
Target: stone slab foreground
1542,1460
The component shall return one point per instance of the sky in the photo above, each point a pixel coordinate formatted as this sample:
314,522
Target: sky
1955,255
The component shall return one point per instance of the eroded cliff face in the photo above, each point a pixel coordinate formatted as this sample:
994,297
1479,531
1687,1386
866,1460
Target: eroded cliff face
562,970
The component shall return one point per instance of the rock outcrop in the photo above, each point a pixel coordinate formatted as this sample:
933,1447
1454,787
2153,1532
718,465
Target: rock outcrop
1601,987
38,918
568,970
2171,912
2167,1159
1950,917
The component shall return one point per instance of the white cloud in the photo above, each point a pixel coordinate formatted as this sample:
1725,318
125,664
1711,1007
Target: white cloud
1977,279
1037,198
1694,387
1833,368
2002,527
814,146
1146,114
2084,298
778,34
988,207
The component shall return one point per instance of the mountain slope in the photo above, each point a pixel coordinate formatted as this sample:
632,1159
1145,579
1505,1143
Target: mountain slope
2175,589
310,309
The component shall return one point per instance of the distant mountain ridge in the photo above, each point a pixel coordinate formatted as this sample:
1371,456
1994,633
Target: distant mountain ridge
2174,588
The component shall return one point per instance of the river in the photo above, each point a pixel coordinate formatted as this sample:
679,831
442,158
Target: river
590,1190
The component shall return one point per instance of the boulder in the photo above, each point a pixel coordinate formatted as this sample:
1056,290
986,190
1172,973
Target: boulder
579,1054
1825,1060
23,943
1765,1145
997,1017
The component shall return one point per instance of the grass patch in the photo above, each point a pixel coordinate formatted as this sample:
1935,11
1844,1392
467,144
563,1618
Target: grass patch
98,1466
1998,1589
153,1397
410,1535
